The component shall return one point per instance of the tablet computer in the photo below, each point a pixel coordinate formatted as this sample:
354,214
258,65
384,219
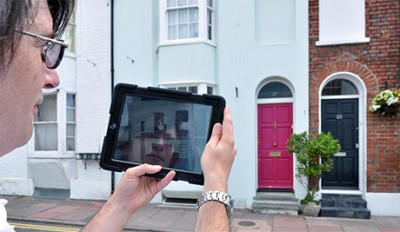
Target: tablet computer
160,126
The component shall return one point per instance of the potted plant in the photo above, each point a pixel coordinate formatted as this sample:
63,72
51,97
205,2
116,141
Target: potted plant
313,156
387,103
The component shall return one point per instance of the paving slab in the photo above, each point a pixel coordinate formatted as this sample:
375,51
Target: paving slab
289,222
321,221
319,228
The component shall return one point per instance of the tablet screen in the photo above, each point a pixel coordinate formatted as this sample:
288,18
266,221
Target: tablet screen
170,133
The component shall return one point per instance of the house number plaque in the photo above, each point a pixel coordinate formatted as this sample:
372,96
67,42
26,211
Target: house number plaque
274,154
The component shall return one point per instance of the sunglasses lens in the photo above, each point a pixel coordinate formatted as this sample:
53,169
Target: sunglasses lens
52,56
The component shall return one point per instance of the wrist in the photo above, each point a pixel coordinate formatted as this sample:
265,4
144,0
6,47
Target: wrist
109,218
215,184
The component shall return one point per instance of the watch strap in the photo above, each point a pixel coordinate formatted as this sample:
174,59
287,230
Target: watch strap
218,196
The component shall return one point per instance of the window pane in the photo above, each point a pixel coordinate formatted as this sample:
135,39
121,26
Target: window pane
182,2
210,3
339,87
193,15
182,16
172,17
70,144
171,3
275,90
70,130
46,137
192,89
70,37
209,24
182,31
48,109
193,30
210,90
192,2
172,32
182,88
70,100
71,115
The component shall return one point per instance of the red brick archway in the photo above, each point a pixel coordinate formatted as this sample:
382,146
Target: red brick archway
382,132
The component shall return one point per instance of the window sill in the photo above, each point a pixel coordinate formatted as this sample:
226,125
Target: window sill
185,41
340,42
52,155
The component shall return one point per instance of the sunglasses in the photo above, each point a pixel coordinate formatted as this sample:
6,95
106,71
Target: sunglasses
53,50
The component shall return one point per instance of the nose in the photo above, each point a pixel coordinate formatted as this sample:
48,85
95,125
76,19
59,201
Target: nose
52,79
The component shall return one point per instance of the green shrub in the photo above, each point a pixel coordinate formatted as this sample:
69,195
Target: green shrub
309,151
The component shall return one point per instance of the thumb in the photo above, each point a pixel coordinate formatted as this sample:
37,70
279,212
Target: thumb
216,134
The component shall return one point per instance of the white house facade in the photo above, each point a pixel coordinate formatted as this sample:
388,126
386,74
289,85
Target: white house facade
61,159
253,53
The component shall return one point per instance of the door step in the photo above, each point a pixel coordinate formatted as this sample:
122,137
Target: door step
276,203
344,206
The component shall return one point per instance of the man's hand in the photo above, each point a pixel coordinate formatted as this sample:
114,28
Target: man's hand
218,155
134,191
216,162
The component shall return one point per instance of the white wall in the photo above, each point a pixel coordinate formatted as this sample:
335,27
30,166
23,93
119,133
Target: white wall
383,204
93,96
246,63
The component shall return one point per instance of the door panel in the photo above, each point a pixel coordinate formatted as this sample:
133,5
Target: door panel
275,164
340,118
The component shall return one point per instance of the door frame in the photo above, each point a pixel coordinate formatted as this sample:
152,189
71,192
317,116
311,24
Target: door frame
274,101
362,115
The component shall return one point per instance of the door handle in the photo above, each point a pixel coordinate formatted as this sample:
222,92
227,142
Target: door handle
275,144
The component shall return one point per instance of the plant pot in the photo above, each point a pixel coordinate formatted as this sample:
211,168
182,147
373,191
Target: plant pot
391,110
310,209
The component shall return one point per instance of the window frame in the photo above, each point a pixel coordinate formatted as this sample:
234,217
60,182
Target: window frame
328,25
49,122
203,7
70,122
71,26
202,87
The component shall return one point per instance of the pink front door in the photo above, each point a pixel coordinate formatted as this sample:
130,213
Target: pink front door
275,163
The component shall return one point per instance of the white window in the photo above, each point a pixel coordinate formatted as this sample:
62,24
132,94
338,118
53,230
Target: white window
186,20
71,122
199,88
183,19
192,89
45,123
341,22
69,35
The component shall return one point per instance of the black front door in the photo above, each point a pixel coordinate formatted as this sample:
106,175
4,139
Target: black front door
340,118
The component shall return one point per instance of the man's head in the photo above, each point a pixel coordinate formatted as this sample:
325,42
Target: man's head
23,73
161,151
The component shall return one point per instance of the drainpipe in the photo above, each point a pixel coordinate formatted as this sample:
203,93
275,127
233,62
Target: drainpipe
112,77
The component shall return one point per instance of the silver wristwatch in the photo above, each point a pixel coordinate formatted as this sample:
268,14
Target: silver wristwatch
219,196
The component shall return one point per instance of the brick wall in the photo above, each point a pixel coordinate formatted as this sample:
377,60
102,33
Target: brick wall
377,63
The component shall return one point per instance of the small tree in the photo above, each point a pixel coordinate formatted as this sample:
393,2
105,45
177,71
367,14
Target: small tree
309,150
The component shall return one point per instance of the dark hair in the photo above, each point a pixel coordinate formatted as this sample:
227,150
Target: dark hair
13,16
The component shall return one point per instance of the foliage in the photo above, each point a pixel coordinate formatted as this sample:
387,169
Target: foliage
309,150
387,102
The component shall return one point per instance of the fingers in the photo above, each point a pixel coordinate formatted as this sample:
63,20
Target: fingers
227,131
216,134
166,180
143,169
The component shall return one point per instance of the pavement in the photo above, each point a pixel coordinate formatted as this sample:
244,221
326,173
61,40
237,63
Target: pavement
177,218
